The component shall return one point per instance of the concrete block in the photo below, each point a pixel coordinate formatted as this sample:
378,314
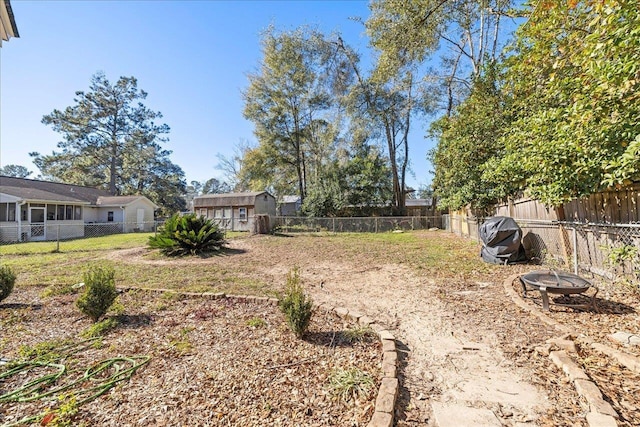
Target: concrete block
386,335
599,420
388,345
381,419
564,362
591,393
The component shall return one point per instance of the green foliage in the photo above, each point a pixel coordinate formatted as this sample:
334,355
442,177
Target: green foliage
618,255
189,234
64,415
59,289
574,80
467,141
99,329
15,171
99,292
346,384
45,352
295,305
357,334
7,281
292,102
111,140
256,322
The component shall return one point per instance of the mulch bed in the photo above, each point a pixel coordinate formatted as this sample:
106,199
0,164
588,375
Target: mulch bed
212,362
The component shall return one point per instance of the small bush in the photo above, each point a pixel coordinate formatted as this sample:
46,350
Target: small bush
345,384
100,329
357,334
295,305
7,280
188,235
99,292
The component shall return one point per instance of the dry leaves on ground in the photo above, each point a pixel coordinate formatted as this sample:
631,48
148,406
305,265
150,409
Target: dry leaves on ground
213,362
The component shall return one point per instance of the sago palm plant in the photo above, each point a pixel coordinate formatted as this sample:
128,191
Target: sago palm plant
189,234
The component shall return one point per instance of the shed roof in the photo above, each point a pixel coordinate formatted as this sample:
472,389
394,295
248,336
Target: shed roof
418,202
228,199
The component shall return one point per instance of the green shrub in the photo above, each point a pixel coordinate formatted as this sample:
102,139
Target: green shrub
295,305
99,292
7,280
100,329
345,384
187,235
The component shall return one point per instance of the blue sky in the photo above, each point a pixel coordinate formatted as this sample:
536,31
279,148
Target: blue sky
192,57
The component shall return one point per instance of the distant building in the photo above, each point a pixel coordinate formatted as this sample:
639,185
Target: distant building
289,206
8,26
420,207
33,210
236,211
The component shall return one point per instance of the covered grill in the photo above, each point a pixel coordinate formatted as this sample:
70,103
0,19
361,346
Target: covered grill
502,241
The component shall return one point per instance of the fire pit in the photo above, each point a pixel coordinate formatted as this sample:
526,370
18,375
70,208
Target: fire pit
562,283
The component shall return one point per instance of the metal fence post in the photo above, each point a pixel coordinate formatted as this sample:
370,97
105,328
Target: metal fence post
58,238
575,249
333,224
375,224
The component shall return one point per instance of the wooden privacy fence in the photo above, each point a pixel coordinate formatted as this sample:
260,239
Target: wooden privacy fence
607,207
608,250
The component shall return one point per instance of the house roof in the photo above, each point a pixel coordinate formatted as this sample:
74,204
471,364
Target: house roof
120,200
227,199
8,26
35,194
45,191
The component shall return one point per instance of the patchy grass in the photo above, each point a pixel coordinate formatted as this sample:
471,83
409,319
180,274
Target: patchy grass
438,254
114,241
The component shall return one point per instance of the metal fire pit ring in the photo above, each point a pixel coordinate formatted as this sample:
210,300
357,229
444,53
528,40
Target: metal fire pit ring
562,283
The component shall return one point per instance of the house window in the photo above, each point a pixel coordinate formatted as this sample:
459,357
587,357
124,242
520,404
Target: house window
242,214
51,212
4,208
78,212
110,216
68,212
60,212
11,214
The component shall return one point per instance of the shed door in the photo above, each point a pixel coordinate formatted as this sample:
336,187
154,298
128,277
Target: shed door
140,218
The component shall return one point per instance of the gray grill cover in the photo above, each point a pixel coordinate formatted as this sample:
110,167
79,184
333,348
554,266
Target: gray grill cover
501,238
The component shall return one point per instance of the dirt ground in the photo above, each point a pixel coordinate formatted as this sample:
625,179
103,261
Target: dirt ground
462,341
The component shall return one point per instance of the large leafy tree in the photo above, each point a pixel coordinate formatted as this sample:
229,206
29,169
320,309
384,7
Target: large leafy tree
386,105
15,171
468,139
291,100
575,80
112,141
466,33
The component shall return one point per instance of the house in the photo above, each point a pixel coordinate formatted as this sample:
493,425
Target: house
8,26
236,211
289,206
33,210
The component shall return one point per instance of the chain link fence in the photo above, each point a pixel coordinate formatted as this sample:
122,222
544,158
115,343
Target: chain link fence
608,250
289,224
61,237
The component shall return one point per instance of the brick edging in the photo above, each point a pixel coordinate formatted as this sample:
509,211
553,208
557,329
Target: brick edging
389,388
601,413
387,393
